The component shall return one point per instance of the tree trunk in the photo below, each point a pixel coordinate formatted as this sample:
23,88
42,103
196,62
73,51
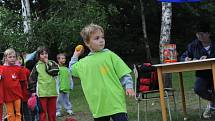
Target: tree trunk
145,38
165,35
165,25
26,20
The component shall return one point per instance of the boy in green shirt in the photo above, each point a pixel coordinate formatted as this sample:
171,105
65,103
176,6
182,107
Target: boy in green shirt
103,75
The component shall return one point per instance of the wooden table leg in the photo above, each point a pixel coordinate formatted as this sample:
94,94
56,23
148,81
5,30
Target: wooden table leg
213,73
161,89
181,83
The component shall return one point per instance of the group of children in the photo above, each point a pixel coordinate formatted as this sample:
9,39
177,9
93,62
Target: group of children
15,92
103,75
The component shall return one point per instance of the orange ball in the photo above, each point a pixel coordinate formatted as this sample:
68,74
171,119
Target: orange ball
79,47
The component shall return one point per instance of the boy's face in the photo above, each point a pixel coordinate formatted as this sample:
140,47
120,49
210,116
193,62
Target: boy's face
11,59
96,42
203,36
44,56
62,59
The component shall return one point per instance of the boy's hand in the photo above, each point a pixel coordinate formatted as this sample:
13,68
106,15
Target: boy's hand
203,57
78,53
187,59
130,92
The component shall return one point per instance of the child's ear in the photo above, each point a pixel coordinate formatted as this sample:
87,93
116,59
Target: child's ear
87,43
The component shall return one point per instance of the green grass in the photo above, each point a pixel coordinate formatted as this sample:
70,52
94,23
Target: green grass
188,77
81,108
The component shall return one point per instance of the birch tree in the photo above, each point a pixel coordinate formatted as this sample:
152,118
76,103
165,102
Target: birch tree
145,38
26,20
165,35
166,22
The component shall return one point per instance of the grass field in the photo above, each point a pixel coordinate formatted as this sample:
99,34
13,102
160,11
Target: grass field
154,113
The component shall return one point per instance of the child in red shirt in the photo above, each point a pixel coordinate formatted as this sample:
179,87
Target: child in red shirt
11,77
1,93
26,115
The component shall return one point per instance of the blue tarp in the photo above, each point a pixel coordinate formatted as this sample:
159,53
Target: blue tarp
180,1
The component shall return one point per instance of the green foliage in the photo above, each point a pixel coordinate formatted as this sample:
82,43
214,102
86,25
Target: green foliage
10,30
64,20
57,23
56,26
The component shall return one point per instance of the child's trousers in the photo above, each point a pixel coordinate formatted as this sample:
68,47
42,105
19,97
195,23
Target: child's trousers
26,113
13,110
63,98
48,105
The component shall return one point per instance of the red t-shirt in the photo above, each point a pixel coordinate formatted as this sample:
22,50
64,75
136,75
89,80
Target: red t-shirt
1,86
11,76
25,93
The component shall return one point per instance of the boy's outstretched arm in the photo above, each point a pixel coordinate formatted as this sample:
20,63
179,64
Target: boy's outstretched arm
127,82
30,56
72,61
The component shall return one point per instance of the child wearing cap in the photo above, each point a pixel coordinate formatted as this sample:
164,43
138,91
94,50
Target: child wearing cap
203,47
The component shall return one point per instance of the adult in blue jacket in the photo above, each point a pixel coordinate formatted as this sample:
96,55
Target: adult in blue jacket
201,48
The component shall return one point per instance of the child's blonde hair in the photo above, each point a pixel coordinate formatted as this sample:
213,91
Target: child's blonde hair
90,29
7,52
60,54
